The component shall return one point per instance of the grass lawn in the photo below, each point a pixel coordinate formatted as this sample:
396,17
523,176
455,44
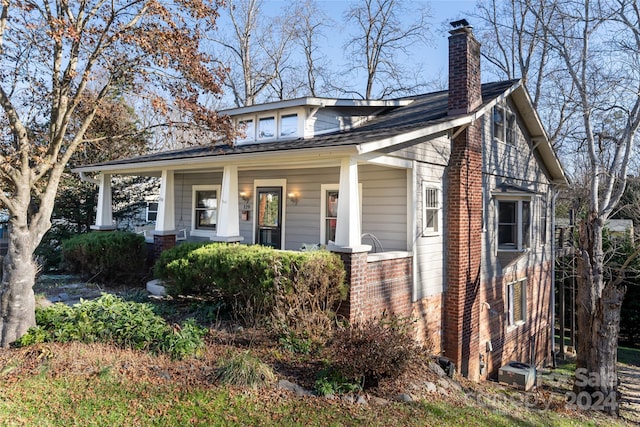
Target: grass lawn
80,384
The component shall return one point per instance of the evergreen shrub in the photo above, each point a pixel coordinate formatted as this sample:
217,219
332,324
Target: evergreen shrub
107,257
292,291
111,320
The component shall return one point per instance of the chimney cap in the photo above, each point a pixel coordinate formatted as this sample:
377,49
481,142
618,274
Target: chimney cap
460,23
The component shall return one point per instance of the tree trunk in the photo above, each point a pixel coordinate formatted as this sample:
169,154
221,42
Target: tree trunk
596,382
17,300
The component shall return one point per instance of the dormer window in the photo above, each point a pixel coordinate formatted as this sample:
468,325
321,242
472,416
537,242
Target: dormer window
262,127
288,125
249,128
504,125
267,128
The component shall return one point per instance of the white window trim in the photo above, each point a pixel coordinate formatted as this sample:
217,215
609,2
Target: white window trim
520,237
505,124
199,232
437,231
149,211
510,303
323,204
542,220
248,137
277,116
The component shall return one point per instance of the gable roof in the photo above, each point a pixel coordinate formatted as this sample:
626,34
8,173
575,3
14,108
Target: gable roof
418,117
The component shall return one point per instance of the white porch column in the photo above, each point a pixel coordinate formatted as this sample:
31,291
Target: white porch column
165,221
228,228
104,216
348,228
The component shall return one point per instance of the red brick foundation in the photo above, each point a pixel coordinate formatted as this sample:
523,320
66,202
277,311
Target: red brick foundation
528,342
386,287
377,287
162,242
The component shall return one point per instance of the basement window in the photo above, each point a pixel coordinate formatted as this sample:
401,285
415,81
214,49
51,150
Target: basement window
517,301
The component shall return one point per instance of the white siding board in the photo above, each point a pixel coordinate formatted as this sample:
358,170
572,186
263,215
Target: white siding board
428,250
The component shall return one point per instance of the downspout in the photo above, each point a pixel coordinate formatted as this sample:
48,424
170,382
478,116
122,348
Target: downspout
553,277
85,178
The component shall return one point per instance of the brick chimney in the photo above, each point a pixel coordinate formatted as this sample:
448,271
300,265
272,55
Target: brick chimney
464,207
464,69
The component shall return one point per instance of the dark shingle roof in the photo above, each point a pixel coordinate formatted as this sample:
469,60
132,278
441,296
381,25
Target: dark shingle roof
428,109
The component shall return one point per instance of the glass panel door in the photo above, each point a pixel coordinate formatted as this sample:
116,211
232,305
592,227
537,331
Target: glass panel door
269,216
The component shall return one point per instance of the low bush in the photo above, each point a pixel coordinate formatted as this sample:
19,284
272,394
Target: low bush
244,370
110,319
374,350
331,382
108,257
294,292
296,344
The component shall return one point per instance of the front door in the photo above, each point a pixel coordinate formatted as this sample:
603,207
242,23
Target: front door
269,216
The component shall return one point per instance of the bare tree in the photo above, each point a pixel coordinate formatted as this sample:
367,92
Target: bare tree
53,53
590,50
515,42
256,51
311,24
609,104
381,38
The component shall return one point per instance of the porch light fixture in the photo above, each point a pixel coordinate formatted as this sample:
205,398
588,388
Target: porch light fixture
293,198
244,196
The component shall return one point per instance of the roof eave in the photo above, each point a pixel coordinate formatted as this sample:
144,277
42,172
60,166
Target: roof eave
310,155
539,135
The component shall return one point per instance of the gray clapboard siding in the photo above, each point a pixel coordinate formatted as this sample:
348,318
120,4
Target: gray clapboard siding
435,151
517,165
183,193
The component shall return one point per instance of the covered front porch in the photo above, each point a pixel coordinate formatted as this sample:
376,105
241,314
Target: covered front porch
346,204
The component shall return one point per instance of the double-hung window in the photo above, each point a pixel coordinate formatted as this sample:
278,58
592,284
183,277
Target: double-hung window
152,211
517,301
504,125
432,208
514,224
205,209
330,213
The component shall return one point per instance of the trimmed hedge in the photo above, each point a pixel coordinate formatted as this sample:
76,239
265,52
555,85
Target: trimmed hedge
258,283
107,257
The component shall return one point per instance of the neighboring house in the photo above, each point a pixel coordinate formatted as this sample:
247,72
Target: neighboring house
454,189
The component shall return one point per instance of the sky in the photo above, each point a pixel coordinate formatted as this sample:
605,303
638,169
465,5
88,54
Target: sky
432,59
